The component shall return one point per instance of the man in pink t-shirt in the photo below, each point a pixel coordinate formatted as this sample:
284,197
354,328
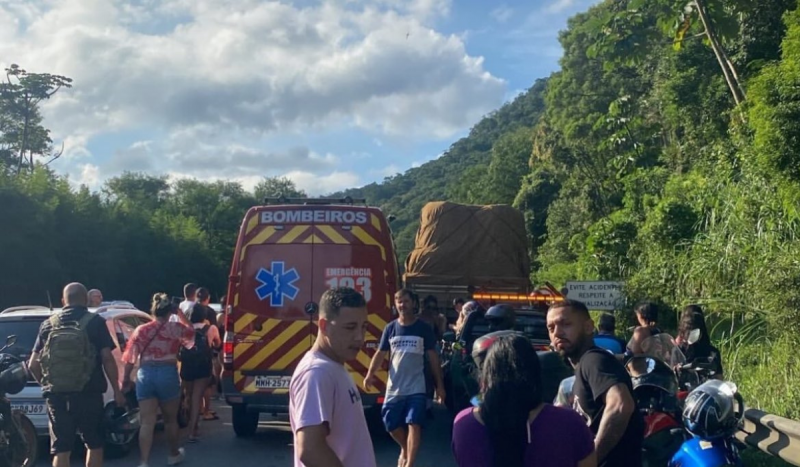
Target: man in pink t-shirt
324,403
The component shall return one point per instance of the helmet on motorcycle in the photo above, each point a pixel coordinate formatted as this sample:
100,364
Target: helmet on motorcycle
122,424
500,318
655,385
482,344
14,377
709,411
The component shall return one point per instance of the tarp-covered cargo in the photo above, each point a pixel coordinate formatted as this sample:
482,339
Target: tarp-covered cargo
462,245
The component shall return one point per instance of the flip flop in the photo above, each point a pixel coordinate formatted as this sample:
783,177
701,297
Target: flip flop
193,439
209,417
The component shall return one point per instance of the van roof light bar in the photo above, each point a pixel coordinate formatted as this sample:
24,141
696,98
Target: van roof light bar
347,200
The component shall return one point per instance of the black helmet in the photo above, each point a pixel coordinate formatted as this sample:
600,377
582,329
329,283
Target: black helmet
482,344
655,385
14,377
501,318
122,424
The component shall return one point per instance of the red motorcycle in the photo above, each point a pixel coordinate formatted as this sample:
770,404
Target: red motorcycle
655,389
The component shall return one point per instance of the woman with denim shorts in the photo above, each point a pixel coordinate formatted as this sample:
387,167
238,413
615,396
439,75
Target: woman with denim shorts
155,346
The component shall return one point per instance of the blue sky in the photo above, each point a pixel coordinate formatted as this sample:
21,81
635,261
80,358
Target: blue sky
331,94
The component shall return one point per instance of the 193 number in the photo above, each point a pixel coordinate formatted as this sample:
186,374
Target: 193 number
361,284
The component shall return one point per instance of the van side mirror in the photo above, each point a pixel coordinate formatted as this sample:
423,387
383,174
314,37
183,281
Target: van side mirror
11,340
449,336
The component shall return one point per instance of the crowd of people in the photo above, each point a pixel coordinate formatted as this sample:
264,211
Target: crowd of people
177,354
511,425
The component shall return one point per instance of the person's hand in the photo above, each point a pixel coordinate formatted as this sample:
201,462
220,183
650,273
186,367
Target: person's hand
440,394
127,385
369,381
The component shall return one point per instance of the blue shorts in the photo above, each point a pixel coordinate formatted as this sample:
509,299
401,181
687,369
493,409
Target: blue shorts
404,410
158,382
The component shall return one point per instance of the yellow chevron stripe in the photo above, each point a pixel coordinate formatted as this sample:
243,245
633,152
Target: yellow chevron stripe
243,322
376,222
377,321
274,345
242,347
236,299
313,239
362,235
331,233
291,355
292,234
252,223
262,237
237,377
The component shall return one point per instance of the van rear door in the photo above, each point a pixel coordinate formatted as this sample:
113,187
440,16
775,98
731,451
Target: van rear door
358,257
272,329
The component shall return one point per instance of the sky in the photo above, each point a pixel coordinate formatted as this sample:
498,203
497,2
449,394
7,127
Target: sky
332,94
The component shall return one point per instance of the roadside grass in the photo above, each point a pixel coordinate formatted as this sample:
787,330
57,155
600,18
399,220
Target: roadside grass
766,373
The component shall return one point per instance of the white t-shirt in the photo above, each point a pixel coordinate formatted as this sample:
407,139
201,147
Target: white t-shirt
323,391
184,306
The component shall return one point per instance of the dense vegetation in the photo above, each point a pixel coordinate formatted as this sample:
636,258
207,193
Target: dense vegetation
641,166
665,153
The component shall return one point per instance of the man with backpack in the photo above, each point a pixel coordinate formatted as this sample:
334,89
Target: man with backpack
71,351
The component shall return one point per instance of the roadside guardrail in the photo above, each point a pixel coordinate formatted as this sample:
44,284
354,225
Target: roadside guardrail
772,434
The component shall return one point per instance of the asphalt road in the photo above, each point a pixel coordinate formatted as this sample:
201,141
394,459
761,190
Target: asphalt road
272,446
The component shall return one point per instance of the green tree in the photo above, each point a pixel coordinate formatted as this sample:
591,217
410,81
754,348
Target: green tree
270,187
22,136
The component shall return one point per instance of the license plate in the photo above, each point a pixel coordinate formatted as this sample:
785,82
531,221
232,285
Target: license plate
273,382
30,408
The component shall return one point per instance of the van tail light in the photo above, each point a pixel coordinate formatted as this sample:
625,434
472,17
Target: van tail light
227,351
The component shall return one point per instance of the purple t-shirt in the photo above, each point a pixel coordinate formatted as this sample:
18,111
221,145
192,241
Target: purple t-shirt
559,438
323,391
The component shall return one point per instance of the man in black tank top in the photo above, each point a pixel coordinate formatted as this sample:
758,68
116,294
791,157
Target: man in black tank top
603,390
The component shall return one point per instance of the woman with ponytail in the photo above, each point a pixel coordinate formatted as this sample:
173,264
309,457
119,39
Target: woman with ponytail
155,346
512,427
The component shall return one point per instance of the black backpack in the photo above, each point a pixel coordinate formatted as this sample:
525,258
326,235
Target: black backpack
200,354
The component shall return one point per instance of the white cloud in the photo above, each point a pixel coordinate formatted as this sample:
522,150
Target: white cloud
89,176
559,5
244,70
502,13
387,171
324,184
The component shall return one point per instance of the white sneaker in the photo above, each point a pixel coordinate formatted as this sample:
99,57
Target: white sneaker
175,460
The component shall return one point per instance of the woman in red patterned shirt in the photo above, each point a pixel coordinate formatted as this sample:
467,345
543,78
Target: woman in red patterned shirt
155,346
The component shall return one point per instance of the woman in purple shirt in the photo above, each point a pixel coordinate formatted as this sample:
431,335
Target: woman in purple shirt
512,427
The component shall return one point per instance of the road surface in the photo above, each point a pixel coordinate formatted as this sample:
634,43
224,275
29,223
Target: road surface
272,446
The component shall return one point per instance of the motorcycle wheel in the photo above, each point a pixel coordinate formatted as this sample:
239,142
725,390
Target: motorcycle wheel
25,449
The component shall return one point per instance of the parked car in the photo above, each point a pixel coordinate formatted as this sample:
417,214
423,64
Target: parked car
24,322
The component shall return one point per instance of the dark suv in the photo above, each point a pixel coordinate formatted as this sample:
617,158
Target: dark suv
459,368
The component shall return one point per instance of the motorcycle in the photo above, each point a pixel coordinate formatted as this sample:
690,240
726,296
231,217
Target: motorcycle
711,414
655,390
18,441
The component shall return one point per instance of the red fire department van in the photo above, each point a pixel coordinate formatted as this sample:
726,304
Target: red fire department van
289,252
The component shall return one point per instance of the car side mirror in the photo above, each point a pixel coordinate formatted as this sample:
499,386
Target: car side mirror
449,336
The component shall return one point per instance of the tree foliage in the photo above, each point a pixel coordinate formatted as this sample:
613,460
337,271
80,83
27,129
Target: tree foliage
22,136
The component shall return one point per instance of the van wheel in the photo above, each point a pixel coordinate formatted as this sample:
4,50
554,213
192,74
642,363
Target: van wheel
245,423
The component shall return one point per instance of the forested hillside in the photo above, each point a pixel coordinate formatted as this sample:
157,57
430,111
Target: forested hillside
667,155
486,166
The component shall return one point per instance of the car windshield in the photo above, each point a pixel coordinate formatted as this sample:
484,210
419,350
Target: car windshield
26,331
